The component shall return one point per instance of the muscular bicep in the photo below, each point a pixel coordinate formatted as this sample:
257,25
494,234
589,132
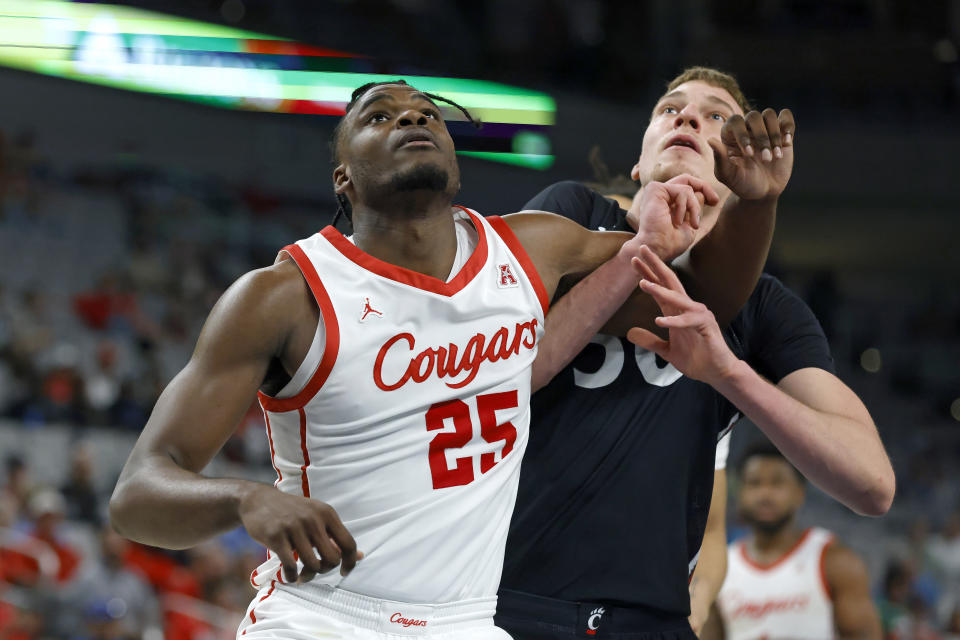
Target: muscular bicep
561,249
854,614
200,408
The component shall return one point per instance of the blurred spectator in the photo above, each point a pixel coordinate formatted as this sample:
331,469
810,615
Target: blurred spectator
31,328
48,508
110,303
892,605
944,550
83,503
952,629
112,595
102,385
17,486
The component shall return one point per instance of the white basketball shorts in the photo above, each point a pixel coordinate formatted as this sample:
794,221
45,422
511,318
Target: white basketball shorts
309,612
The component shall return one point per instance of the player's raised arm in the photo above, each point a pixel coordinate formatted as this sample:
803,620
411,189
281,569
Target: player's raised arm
754,159
162,500
563,250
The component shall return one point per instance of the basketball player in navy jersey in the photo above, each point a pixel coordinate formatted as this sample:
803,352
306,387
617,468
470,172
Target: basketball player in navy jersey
784,581
616,488
397,172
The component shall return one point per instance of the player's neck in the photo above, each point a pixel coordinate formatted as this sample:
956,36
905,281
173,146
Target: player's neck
424,241
769,546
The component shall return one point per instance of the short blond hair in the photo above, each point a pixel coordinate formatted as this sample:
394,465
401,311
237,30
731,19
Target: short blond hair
713,77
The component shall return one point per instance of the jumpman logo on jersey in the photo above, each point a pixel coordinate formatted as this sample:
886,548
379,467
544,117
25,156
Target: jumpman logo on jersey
369,311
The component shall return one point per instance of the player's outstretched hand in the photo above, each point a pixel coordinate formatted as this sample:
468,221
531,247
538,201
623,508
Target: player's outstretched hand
695,346
293,526
754,155
668,214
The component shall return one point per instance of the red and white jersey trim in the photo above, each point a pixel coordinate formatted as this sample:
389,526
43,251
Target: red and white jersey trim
416,416
788,594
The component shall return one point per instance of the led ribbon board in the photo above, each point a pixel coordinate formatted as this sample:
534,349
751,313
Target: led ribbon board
139,50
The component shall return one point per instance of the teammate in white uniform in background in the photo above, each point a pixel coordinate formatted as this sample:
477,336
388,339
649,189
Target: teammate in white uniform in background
783,581
394,368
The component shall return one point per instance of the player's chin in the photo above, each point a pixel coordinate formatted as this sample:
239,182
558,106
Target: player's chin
671,167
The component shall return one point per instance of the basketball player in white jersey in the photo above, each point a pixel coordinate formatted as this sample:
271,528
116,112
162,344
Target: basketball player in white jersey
783,581
394,369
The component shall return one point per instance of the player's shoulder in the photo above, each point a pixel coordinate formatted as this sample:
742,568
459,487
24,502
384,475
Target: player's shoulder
567,198
569,189
279,280
838,552
767,285
842,565
263,292
770,300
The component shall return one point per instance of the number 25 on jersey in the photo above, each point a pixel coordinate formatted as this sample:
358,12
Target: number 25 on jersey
459,413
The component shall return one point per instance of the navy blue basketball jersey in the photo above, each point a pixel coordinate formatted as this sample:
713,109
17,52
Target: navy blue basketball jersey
616,483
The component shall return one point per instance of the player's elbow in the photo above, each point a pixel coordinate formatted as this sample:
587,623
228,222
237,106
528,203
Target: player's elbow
878,498
120,508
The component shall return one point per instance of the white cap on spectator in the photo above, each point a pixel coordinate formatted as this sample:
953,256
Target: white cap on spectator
47,501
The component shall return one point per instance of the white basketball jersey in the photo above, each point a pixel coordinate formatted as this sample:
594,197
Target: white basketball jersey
788,598
415,416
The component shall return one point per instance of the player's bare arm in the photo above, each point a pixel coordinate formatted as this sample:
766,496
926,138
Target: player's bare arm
753,158
162,500
563,250
854,614
713,627
712,563
814,419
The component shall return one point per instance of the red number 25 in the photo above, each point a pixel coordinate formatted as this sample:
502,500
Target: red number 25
459,412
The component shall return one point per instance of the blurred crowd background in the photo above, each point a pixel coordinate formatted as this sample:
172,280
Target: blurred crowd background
123,218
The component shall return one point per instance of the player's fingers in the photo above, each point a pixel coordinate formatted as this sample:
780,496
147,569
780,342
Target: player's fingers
679,196
758,135
735,136
686,320
704,192
329,551
646,273
665,274
665,296
287,560
721,157
788,126
772,125
306,576
349,555
647,340
694,206
303,546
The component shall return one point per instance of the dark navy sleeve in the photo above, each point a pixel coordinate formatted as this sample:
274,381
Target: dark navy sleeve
785,335
569,199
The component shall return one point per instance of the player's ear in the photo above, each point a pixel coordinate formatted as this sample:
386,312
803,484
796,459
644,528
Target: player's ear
341,179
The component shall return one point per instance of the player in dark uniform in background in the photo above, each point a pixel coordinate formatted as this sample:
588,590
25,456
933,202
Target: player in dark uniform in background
615,490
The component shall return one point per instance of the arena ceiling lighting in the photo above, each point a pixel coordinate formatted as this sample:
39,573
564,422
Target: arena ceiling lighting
139,50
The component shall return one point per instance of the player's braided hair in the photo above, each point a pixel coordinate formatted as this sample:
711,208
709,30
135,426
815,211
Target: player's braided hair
343,204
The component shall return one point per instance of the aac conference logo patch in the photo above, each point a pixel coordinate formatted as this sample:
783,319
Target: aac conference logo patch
506,279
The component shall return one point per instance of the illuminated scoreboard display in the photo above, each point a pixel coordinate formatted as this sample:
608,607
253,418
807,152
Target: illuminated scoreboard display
150,52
